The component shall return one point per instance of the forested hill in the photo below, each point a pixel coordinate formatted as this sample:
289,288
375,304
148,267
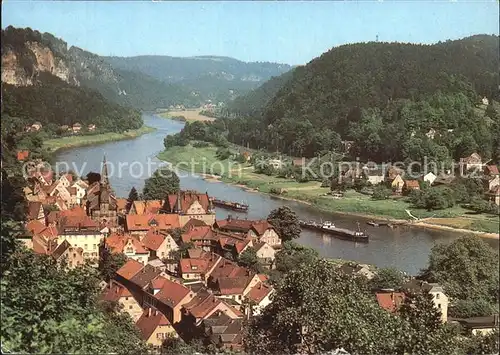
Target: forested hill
379,95
208,77
25,49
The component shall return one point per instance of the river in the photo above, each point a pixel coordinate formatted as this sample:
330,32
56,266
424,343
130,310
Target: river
404,247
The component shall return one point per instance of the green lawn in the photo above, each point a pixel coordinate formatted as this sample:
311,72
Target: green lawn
311,192
77,141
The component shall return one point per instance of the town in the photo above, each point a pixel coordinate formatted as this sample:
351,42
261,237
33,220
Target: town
183,272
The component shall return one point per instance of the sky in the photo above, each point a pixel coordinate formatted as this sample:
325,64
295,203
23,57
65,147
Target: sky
292,32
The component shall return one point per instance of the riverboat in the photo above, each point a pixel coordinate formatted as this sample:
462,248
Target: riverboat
230,205
342,233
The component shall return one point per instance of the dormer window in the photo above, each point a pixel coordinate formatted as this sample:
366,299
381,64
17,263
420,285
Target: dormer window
194,267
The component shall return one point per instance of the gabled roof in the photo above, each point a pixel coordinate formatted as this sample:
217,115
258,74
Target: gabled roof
149,321
34,209
202,304
491,170
61,249
115,292
193,222
136,222
390,301
147,274
259,292
35,226
201,265
227,268
197,233
116,243
233,285
412,184
23,155
147,206
121,203
153,239
184,200
129,269
172,293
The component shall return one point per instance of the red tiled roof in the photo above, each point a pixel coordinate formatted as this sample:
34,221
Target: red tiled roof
35,226
69,177
193,222
412,184
193,266
172,293
202,304
197,233
117,243
227,268
129,269
187,198
233,285
241,245
158,282
263,277
149,321
34,209
137,222
492,170
390,301
115,292
49,232
148,206
259,292
153,239
23,155
121,203
243,225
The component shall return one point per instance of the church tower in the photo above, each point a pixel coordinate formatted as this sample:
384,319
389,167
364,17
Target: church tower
104,172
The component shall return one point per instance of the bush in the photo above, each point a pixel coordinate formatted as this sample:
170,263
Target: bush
201,144
381,192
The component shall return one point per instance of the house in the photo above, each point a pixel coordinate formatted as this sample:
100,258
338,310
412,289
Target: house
485,101
479,325
35,212
91,127
430,177
71,256
494,195
35,127
431,133
390,301
127,245
138,225
247,155
439,298
116,292
357,269
410,185
490,170
202,237
22,155
259,297
121,206
190,205
490,182
374,176
80,231
260,230
203,305
275,163
224,332
265,253
168,297
234,288
80,187
198,268
393,172
155,327
472,162
159,243
146,207
349,174
76,128
397,184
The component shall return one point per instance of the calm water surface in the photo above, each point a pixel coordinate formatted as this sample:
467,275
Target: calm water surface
404,248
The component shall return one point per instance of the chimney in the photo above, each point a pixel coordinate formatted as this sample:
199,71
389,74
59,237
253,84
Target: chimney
495,320
229,218
149,312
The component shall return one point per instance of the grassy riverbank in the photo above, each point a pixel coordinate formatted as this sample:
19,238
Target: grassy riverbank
55,144
190,115
200,160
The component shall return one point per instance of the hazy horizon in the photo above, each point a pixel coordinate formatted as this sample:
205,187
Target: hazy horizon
282,32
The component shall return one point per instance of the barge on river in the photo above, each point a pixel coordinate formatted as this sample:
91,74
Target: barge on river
235,206
342,233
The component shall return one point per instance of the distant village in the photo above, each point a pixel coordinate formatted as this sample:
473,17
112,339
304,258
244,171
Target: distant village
201,293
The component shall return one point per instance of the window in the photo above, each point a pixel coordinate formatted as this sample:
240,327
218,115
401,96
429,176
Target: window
126,298
130,307
85,246
94,247
437,296
439,305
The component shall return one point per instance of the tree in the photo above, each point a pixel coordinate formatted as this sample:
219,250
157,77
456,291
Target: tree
381,192
249,260
35,321
132,196
162,183
109,263
388,278
286,223
317,308
467,261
